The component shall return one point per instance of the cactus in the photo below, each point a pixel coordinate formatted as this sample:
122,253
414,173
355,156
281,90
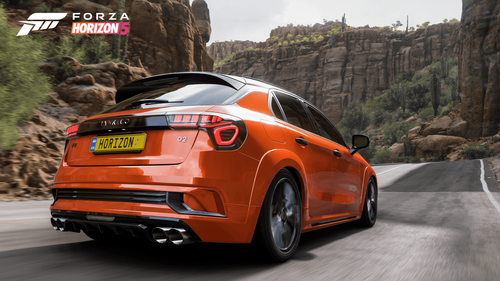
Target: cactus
435,86
116,37
124,54
407,146
444,66
407,21
402,96
334,40
343,23
195,67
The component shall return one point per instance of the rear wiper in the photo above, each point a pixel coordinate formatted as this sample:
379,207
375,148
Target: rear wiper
137,102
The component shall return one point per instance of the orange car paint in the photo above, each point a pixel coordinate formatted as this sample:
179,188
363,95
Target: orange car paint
233,183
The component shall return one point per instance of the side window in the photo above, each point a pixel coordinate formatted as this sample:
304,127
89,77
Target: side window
325,128
294,111
276,109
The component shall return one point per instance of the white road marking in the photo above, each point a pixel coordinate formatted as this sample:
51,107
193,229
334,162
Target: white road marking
389,170
485,188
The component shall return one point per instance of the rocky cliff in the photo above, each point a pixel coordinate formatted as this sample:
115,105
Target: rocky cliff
479,67
219,50
358,64
165,35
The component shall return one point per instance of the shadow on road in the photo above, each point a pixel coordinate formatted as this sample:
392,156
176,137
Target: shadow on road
137,259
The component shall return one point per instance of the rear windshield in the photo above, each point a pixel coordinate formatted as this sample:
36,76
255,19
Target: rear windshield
179,94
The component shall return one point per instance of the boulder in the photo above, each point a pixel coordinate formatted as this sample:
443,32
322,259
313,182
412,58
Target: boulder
440,125
437,145
4,188
458,128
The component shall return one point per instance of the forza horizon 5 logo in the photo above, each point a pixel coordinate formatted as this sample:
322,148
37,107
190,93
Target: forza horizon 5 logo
44,21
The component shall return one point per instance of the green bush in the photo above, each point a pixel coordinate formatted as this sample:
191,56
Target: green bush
354,119
289,35
22,85
449,107
407,159
394,131
476,152
381,156
375,108
416,97
434,158
426,113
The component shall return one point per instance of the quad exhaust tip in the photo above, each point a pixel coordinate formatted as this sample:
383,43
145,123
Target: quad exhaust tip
58,223
177,236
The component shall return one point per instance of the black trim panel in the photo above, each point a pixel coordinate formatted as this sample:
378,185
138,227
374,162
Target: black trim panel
332,221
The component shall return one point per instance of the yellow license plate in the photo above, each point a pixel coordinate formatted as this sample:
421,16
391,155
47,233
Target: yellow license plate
118,143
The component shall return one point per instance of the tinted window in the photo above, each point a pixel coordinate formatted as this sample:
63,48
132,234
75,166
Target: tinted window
325,128
189,94
276,109
294,111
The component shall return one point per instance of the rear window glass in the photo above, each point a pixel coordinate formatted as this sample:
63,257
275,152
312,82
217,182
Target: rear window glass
179,94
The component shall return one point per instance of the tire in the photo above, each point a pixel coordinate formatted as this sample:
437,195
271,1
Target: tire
369,216
280,221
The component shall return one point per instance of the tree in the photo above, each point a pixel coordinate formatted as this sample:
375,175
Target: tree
396,25
355,119
416,97
453,20
22,85
423,25
445,20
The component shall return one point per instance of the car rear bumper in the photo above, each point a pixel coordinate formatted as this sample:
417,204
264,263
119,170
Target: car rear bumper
235,223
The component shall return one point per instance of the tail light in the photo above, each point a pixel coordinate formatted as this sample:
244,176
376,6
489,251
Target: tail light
72,131
226,132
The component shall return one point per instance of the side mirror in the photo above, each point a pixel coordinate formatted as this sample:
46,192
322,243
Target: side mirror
359,142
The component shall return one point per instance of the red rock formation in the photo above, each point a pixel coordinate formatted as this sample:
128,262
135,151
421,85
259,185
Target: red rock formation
479,67
360,65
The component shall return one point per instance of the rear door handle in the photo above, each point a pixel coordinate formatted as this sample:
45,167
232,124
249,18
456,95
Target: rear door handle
301,141
337,153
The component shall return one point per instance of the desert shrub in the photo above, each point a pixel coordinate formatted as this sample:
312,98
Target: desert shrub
476,152
44,8
416,97
320,38
22,85
407,159
394,131
375,108
289,35
86,50
285,43
449,107
19,4
434,158
426,113
381,156
355,119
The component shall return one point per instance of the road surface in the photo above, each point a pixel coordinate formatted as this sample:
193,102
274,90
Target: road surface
436,221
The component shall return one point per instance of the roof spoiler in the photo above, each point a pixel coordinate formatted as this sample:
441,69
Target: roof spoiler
160,81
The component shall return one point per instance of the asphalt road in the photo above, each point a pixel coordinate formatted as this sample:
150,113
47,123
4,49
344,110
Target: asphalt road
435,222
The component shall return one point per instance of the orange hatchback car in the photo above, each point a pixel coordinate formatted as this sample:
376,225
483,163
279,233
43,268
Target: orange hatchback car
187,157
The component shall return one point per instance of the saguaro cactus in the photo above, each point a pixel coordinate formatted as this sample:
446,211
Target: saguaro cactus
334,40
407,21
343,23
454,88
407,146
402,96
435,86
444,66
116,37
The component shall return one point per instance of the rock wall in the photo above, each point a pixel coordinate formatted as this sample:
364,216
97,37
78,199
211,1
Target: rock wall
360,64
165,35
479,67
219,50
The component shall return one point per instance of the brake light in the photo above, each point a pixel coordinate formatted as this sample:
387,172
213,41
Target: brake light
226,135
72,131
226,132
191,120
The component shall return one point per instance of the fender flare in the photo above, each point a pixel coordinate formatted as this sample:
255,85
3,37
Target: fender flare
269,165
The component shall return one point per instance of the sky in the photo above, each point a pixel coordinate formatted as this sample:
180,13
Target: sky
254,19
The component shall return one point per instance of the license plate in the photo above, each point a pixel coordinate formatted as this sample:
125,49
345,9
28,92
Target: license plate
118,143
